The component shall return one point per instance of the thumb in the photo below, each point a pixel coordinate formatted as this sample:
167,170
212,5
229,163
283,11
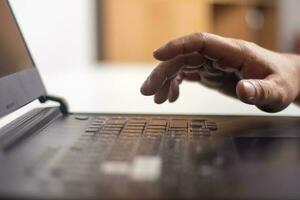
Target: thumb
265,94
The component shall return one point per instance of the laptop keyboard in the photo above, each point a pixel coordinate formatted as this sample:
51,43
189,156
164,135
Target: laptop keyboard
111,144
153,128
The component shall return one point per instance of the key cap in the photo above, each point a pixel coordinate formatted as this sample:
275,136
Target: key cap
116,122
94,126
131,131
111,129
157,123
198,124
93,130
109,132
156,127
134,127
113,126
178,124
97,123
211,125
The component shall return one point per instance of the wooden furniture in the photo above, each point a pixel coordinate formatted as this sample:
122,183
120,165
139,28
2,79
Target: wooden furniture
129,30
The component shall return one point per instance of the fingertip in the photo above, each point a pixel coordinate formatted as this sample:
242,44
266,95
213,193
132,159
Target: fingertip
164,53
173,99
174,91
159,55
151,85
156,54
246,91
144,90
159,100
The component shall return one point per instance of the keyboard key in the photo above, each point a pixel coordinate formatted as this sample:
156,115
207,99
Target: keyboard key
178,124
109,132
155,131
156,127
198,124
99,120
211,125
113,126
94,126
117,122
141,129
178,130
157,123
93,130
136,122
97,124
111,129
131,131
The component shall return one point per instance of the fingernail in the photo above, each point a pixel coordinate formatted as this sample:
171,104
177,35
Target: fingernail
250,90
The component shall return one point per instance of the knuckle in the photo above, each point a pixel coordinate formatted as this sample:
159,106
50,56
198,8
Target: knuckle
249,45
241,46
247,48
199,35
200,38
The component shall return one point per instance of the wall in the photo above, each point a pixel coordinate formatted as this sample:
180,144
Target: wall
60,33
63,33
289,22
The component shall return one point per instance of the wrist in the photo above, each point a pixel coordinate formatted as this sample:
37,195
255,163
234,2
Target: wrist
296,63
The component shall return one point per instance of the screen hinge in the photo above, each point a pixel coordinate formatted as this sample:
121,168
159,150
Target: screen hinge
62,103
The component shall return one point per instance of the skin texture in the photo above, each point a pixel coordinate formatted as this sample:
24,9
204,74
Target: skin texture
267,79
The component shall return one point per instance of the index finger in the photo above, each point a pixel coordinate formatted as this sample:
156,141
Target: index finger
227,51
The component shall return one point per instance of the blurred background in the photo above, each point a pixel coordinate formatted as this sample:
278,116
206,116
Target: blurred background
129,30
79,44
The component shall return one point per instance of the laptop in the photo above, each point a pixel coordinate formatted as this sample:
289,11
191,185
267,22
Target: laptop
50,153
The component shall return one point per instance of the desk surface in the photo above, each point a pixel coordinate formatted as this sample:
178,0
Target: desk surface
114,88
107,88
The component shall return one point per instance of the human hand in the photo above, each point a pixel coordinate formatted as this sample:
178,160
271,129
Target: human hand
257,76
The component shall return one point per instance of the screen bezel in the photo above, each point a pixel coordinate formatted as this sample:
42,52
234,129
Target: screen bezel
20,88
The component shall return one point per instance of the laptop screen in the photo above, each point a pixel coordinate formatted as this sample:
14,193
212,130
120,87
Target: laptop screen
20,82
14,56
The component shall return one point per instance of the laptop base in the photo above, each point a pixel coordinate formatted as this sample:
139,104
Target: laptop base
101,156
